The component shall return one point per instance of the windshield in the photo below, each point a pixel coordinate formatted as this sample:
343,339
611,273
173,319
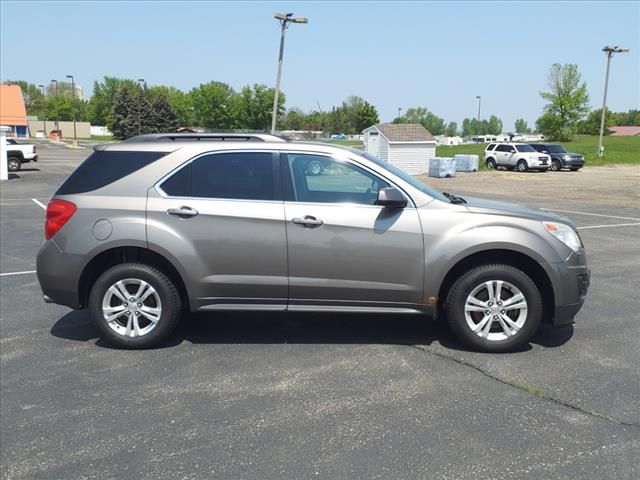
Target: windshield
525,148
403,175
556,149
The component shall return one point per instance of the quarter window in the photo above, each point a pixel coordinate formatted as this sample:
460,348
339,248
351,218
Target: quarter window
322,179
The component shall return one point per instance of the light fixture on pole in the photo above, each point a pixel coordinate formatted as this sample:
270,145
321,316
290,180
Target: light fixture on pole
73,100
140,83
44,109
479,98
285,19
55,82
609,51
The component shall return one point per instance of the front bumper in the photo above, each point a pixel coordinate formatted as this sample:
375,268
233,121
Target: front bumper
572,280
574,162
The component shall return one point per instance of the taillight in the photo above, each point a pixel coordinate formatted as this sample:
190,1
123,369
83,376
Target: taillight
58,213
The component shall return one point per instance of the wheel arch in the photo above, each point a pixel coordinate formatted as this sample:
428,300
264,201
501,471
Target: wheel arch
502,256
118,255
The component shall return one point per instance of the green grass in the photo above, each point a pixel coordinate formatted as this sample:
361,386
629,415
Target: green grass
102,138
348,143
617,149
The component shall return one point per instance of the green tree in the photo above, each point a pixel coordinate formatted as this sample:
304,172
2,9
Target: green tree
493,126
427,119
366,115
567,100
294,119
452,129
212,105
521,126
101,102
164,116
180,102
132,113
254,107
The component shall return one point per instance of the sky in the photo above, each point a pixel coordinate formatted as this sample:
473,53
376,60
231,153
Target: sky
438,55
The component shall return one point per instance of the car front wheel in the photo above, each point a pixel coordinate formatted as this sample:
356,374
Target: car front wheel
494,308
134,305
522,166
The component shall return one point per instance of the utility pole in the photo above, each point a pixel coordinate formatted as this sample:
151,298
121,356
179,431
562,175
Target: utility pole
140,83
44,109
55,82
609,51
479,98
73,99
284,19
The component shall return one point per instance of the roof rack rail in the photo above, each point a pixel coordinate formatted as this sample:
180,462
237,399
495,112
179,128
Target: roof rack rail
207,137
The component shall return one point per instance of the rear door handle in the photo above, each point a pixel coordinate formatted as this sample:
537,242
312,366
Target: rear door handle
183,212
308,221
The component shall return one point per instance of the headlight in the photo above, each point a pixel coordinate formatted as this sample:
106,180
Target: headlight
565,234
566,157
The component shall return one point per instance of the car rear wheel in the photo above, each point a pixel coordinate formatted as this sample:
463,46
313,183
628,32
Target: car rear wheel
491,164
522,166
13,164
556,166
494,308
134,305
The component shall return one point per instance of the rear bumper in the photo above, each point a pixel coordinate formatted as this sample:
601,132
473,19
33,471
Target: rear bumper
59,275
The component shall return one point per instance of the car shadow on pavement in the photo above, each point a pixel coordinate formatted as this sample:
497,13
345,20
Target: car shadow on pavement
301,328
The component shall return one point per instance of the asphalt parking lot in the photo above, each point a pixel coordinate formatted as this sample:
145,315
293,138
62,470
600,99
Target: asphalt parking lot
257,396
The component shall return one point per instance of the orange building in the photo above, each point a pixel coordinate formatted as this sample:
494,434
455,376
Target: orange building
13,113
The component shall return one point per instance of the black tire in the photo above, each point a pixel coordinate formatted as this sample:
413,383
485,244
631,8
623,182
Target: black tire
491,164
556,166
522,166
13,163
463,287
164,287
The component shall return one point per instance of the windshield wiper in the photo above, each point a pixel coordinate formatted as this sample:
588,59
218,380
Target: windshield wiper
454,198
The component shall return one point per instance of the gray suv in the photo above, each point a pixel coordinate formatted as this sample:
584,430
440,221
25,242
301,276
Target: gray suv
142,231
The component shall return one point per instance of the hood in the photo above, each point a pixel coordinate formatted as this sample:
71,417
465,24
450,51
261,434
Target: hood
491,207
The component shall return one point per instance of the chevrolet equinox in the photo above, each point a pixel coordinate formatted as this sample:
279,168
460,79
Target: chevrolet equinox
143,230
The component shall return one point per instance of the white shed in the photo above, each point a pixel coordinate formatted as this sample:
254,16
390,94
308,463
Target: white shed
406,146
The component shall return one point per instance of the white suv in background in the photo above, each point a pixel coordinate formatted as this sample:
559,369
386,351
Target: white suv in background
515,155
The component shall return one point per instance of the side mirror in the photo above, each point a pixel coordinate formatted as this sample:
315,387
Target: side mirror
391,198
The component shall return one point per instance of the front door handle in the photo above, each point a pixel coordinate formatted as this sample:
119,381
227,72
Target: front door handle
308,221
183,212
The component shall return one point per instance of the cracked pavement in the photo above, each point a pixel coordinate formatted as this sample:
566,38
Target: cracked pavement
254,396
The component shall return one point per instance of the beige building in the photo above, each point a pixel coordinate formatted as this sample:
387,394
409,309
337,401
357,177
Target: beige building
83,129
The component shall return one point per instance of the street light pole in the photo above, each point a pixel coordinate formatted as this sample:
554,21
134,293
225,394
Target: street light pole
140,82
609,51
479,98
44,109
399,112
73,100
55,82
284,20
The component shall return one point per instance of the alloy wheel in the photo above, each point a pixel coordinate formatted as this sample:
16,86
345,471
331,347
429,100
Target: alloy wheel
131,307
495,310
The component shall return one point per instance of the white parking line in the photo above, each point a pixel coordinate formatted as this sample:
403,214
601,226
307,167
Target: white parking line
591,214
39,203
26,272
608,226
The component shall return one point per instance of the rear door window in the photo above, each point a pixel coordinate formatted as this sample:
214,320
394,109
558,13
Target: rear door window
233,175
104,167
